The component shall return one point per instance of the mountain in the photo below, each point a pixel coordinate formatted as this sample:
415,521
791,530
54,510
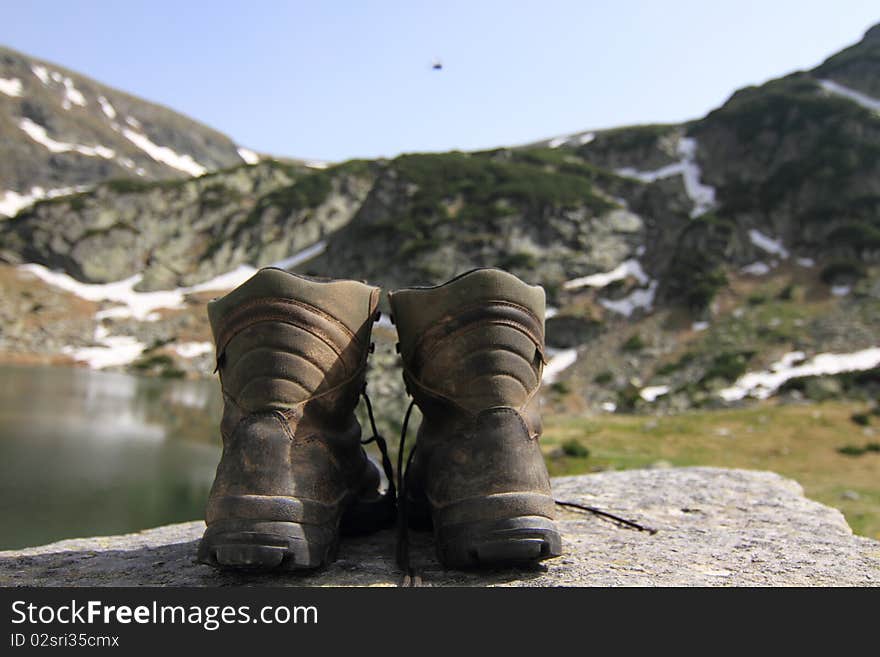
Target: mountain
698,264
61,131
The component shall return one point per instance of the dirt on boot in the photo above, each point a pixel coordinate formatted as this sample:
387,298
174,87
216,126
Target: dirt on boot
473,354
292,354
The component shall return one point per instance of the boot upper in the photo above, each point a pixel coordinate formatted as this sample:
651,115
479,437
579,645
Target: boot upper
473,354
284,339
291,354
476,341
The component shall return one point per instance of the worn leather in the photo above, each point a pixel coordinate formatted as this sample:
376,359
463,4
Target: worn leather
291,355
473,354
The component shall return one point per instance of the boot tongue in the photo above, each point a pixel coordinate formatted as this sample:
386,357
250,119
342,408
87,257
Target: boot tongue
417,308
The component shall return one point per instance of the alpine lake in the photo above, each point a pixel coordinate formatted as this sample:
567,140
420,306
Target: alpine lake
89,453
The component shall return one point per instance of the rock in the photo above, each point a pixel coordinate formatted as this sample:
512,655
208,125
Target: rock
567,331
715,527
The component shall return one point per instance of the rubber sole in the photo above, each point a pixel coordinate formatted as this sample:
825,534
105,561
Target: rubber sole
254,546
261,545
517,541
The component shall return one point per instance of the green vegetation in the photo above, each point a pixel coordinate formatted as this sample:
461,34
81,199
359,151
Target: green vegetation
842,271
482,180
670,368
603,378
573,447
797,441
217,195
159,364
728,366
856,450
857,236
633,344
861,419
788,111
633,138
864,55
693,279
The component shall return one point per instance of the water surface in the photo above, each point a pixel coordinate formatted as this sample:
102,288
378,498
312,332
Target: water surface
85,453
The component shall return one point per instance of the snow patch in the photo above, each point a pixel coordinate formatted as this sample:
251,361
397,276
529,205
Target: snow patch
756,269
10,87
580,140
806,262
701,195
164,154
623,270
559,361
699,326
651,393
768,244
608,407
111,350
840,290
38,133
317,164
11,203
642,298
106,107
72,95
143,305
41,72
248,155
133,122
763,384
302,256
193,349
856,96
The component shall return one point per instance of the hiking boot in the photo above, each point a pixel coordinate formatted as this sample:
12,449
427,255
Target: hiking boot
292,354
473,354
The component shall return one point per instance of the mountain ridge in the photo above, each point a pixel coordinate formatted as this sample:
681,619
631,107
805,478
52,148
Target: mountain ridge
62,130
676,257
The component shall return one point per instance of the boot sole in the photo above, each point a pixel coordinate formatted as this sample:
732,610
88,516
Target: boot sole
496,530
259,546
291,544
522,540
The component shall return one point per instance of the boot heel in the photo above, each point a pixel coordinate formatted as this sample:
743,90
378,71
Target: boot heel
512,541
260,546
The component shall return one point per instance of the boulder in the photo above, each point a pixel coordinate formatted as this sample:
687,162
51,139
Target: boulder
714,527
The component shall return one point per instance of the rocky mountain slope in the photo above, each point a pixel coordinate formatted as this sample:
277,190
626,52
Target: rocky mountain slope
730,257
61,131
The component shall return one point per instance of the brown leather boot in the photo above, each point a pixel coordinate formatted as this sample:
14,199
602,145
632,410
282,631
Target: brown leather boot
292,355
473,353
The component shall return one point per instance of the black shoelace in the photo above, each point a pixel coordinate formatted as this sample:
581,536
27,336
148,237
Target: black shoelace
397,494
382,444
411,576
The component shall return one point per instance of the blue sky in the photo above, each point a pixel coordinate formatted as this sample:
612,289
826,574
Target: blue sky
334,80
